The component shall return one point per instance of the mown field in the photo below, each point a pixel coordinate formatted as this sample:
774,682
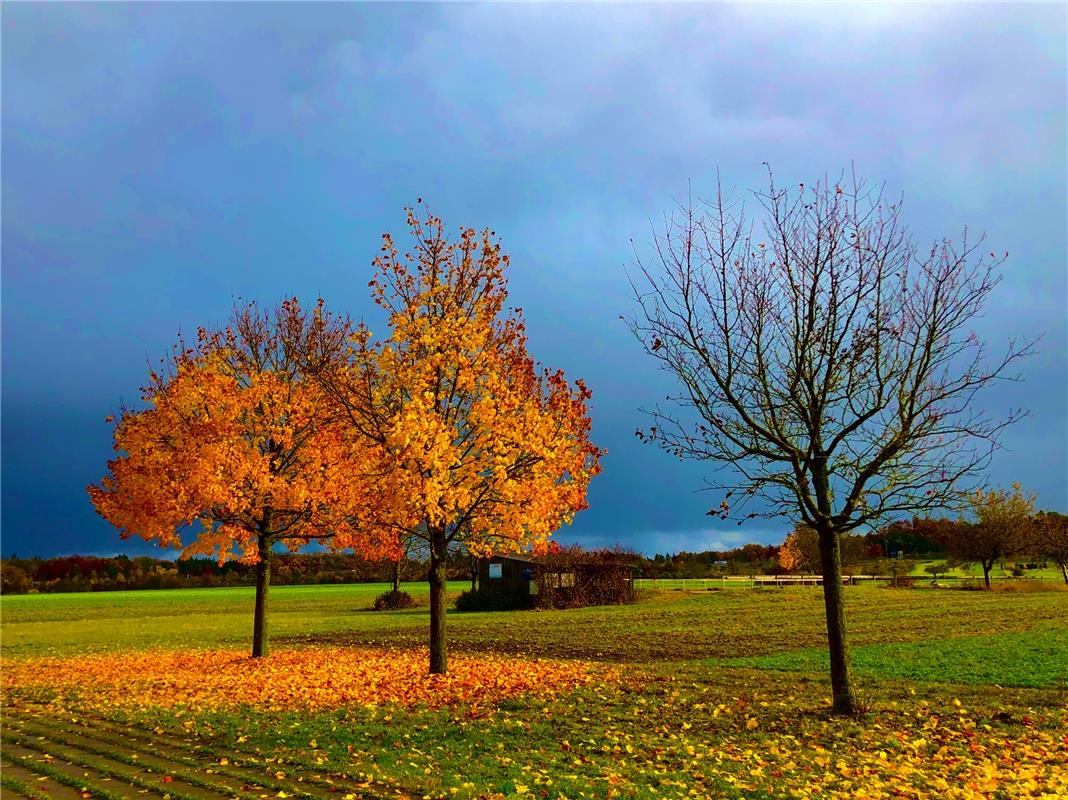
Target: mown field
702,694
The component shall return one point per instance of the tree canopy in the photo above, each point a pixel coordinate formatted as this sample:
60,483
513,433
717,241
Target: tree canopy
237,450
488,449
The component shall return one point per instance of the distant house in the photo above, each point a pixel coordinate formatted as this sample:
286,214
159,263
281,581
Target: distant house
568,578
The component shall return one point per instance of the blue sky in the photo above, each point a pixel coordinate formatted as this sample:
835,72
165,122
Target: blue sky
161,159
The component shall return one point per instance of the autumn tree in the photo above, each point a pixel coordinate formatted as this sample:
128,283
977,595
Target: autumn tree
800,551
1000,527
490,450
790,557
827,364
1049,539
238,451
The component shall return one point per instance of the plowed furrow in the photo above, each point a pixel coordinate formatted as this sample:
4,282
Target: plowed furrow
186,770
14,789
244,765
33,784
74,761
79,777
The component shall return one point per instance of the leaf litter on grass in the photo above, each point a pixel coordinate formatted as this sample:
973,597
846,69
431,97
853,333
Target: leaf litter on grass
306,678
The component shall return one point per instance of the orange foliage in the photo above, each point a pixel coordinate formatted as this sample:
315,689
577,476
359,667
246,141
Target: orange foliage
790,557
311,678
801,550
490,451
488,448
235,438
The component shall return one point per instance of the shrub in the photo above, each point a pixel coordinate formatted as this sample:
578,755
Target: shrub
393,600
1028,586
902,582
492,598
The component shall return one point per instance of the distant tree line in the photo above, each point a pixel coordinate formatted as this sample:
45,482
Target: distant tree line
1005,526
1000,525
95,574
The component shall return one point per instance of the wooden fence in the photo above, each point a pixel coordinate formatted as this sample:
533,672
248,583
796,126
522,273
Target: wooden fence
772,581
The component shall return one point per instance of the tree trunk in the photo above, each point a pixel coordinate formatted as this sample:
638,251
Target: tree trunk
263,584
396,575
986,572
438,553
844,698
1064,571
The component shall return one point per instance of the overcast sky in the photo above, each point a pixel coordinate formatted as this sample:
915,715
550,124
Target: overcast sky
161,159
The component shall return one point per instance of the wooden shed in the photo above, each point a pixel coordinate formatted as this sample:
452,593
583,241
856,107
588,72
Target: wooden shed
567,578
510,573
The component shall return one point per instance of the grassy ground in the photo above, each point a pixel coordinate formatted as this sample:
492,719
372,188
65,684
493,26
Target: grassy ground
919,570
1047,573
717,693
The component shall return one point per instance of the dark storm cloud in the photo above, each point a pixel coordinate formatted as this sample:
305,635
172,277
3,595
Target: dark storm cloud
160,160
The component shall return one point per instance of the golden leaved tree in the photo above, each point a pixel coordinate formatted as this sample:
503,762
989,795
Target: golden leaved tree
240,451
1002,527
488,450
800,551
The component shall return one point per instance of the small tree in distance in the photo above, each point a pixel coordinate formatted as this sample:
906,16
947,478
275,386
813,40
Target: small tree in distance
1002,528
800,550
897,568
827,363
934,570
1049,539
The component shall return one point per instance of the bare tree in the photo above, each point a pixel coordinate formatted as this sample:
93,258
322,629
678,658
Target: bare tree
826,363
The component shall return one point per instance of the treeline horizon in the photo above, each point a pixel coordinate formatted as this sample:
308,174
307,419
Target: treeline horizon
78,573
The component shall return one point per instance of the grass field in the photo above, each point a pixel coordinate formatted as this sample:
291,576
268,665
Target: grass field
964,572
684,694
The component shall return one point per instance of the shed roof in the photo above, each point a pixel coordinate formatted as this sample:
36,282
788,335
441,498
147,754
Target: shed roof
590,561
513,557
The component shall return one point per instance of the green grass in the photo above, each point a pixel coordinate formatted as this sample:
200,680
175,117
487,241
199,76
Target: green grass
665,626
78,622
974,571
1037,658
721,694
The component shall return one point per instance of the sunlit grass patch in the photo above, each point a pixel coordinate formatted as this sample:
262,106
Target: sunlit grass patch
307,678
1037,659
